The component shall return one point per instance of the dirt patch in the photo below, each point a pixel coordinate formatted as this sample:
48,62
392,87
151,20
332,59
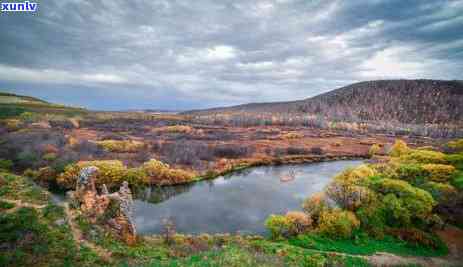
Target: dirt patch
453,237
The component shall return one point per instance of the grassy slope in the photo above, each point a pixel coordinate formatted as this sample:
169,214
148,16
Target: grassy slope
33,231
13,105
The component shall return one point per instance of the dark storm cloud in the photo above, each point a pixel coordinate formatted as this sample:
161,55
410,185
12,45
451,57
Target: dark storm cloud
191,54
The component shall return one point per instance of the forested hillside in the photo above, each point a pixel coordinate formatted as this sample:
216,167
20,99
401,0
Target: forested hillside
425,107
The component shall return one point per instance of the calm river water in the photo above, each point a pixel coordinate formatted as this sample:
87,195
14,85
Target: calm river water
237,203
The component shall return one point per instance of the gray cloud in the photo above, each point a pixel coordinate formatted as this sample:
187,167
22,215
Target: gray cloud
191,54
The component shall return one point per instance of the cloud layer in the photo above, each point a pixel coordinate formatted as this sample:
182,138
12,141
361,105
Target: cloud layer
115,54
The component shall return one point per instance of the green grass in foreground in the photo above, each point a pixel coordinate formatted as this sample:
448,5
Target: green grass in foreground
30,237
41,237
362,244
6,206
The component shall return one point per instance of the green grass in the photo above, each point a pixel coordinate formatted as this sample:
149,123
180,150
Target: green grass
457,180
6,206
19,188
31,239
365,245
298,256
212,250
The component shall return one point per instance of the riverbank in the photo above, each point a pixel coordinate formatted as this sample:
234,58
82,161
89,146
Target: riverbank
65,237
276,161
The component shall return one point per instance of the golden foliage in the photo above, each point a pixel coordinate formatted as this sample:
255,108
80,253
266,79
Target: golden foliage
291,135
12,124
439,172
177,129
315,204
399,148
111,172
338,223
374,149
300,220
161,173
117,146
423,156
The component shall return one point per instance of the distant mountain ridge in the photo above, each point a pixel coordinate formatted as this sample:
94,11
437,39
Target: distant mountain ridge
401,101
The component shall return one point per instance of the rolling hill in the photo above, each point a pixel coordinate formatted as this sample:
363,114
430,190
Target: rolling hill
13,105
401,101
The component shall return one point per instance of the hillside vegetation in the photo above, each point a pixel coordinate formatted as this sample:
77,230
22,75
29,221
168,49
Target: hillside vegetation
425,107
14,105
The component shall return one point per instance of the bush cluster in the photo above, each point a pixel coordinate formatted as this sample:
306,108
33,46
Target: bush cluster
291,135
125,146
423,157
177,129
338,223
439,172
399,148
405,195
284,226
374,150
113,172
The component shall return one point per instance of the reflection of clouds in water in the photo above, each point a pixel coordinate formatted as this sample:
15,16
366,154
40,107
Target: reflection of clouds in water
259,172
238,202
219,181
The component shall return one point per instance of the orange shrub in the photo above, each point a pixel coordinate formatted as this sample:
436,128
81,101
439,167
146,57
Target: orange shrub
301,221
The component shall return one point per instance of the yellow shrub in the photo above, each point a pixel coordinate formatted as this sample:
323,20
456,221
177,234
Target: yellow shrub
399,148
177,129
338,223
439,172
315,205
128,146
111,172
374,149
424,156
160,173
291,135
357,176
13,124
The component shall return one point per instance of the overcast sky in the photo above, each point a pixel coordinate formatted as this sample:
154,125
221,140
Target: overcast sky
114,54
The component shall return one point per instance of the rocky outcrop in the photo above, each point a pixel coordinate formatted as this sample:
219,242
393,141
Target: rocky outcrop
112,210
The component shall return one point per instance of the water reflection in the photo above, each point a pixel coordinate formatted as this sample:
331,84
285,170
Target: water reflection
239,202
157,194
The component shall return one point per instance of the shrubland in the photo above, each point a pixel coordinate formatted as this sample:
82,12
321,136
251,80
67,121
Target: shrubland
114,172
405,197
